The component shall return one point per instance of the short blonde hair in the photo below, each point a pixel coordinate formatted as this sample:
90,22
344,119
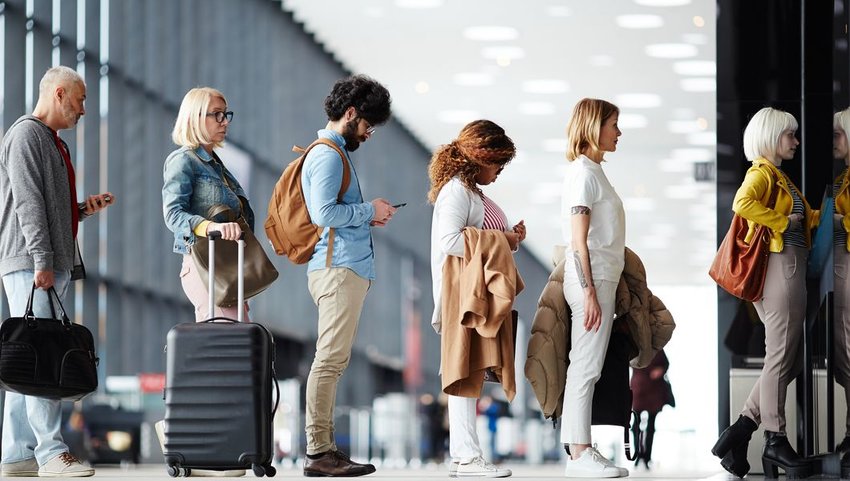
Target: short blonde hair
841,120
761,137
585,125
190,127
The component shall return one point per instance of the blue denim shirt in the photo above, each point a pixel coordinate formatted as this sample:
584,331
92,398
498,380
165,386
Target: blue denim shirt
321,179
192,184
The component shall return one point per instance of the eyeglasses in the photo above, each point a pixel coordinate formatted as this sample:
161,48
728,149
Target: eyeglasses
370,130
220,116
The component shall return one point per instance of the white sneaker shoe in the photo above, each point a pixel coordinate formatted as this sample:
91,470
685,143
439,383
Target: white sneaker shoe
592,464
65,465
453,469
479,468
25,468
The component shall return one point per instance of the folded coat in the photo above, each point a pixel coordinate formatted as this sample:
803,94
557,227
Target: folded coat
477,296
639,313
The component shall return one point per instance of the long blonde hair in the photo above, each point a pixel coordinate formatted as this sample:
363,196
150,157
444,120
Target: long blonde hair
479,143
190,127
585,125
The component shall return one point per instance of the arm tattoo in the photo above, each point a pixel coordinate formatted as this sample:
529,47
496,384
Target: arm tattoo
580,210
579,271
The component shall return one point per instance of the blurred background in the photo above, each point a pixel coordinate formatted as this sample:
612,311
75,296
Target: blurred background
686,75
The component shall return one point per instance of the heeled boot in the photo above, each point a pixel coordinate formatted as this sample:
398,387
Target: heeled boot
732,446
778,453
739,432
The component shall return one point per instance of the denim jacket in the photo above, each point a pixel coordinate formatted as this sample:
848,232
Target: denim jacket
192,184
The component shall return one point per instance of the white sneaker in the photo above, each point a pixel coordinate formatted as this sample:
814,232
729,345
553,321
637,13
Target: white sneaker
592,464
65,465
453,469
478,468
25,468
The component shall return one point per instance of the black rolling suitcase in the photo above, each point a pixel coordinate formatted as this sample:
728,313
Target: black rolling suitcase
218,393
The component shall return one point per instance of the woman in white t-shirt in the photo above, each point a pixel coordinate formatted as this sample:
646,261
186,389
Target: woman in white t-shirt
593,225
475,158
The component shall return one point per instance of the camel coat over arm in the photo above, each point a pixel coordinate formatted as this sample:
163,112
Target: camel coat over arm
477,298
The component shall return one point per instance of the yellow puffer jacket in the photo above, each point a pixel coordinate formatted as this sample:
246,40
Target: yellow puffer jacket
753,196
842,203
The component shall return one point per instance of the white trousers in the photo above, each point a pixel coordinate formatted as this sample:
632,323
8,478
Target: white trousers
463,435
587,354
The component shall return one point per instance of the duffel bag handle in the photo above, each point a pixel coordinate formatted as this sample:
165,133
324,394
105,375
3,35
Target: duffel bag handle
29,315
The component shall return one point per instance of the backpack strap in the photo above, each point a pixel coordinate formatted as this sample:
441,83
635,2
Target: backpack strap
346,181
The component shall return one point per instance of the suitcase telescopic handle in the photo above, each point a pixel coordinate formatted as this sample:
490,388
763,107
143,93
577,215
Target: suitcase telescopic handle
240,266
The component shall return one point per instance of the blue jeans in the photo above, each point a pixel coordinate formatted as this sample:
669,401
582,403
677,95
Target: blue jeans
31,425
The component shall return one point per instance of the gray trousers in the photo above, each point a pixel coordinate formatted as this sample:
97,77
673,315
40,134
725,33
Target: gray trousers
783,312
841,324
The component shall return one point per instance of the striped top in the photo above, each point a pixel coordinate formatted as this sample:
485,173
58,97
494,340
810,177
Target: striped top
794,236
494,217
839,235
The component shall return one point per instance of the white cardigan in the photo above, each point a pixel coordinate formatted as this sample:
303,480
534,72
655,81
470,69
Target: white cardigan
456,207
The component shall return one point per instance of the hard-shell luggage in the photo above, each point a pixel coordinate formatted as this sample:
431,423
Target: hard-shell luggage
218,393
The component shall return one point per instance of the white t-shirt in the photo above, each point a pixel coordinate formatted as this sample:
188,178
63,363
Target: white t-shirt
587,185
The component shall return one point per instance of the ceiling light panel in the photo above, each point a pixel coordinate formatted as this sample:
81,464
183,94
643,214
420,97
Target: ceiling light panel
639,21
700,68
473,79
671,50
512,53
555,145
602,61
632,121
418,4
637,100
698,84
558,11
663,3
490,33
458,116
536,108
545,86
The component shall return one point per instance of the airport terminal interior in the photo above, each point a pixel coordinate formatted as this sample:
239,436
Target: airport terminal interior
687,77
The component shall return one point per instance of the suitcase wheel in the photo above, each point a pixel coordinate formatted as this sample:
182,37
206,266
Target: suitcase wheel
175,471
259,470
270,471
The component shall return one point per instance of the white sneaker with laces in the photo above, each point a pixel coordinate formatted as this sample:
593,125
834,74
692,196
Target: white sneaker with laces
592,464
66,465
479,468
26,468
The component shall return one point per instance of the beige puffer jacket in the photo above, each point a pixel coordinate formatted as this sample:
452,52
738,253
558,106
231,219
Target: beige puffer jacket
639,313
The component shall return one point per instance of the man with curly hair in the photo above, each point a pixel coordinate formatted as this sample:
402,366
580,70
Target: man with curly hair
343,263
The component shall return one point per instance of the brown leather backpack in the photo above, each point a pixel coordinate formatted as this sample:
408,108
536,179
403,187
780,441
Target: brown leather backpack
288,224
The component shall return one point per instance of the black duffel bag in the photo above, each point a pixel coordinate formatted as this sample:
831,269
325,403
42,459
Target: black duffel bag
50,358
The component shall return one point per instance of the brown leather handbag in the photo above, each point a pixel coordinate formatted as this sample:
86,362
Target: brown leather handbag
740,268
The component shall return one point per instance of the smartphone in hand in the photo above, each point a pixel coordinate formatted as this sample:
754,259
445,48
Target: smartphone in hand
398,206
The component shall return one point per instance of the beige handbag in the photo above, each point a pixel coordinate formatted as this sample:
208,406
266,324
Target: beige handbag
260,273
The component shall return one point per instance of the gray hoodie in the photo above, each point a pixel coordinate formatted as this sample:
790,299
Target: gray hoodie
35,217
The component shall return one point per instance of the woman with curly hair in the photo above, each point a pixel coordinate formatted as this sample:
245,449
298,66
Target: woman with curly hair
457,170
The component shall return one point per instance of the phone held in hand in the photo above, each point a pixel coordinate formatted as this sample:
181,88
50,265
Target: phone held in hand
397,206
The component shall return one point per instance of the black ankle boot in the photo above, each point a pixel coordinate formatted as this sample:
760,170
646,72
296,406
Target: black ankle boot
739,432
735,460
778,453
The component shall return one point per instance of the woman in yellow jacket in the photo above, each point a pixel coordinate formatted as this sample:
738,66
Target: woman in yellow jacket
769,140
841,241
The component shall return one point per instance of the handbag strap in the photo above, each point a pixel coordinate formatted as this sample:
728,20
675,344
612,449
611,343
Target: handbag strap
29,312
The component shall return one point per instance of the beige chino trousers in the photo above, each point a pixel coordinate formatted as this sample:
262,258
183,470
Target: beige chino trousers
339,294
783,312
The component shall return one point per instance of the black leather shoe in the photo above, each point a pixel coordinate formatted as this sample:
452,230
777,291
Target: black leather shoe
335,464
778,453
735,460
738,433
845,465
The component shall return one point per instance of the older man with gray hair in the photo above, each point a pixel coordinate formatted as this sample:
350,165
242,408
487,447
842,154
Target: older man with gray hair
39,215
